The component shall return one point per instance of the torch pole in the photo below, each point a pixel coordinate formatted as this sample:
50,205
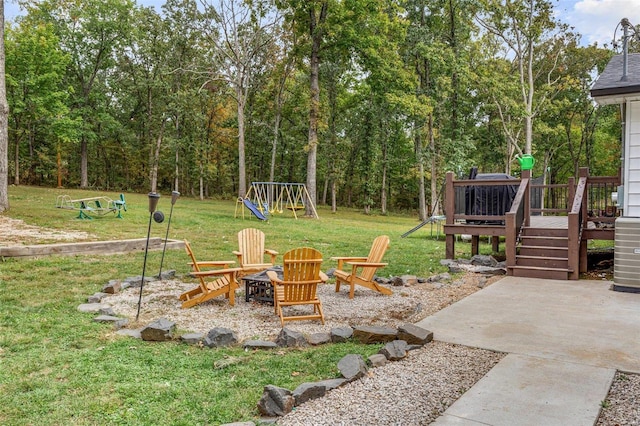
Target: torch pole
174,198
153,202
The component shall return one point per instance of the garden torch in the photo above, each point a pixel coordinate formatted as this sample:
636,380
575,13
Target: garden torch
153,203
174,198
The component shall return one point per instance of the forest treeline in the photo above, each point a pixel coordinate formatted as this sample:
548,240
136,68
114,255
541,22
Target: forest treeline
368,102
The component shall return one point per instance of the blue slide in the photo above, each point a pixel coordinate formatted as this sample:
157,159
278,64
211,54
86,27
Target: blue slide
254,209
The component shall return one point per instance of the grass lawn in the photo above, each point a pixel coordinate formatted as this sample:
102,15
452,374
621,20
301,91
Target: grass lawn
58,367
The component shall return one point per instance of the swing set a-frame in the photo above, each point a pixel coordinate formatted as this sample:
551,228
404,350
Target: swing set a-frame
276,197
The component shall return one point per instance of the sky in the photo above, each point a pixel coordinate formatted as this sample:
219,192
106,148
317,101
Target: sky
596,20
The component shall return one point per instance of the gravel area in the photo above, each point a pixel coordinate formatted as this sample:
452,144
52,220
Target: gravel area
256,320
414,391
622,406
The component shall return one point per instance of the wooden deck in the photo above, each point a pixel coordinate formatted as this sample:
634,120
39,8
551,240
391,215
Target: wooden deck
579,211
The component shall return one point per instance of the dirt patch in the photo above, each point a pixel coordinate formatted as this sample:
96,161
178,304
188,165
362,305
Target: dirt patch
15,232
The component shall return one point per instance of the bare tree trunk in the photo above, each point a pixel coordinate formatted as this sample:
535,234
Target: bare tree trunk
242,168
84,172
4,123
434,167
156,160
334,204
314,108
16,163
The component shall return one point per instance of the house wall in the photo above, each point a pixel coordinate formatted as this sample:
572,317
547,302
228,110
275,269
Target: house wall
631,200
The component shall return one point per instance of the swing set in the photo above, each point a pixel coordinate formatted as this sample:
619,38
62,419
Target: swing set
276,197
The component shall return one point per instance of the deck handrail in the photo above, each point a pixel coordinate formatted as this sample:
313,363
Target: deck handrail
576,219
516,218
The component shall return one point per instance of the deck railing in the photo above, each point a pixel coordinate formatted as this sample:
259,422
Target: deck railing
516,218
576,224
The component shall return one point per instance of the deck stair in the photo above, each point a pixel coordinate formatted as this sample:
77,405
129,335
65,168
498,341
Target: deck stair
542,253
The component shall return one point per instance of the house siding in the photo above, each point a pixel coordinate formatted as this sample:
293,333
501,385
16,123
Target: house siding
632,160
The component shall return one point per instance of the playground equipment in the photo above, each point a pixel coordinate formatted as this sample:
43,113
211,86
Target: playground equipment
265,198
87,207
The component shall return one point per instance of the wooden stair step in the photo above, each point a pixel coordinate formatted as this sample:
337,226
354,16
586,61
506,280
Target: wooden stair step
544,241
545,232
542,261
543,251
540,272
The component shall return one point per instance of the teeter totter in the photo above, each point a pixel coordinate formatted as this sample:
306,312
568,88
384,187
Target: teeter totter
92,206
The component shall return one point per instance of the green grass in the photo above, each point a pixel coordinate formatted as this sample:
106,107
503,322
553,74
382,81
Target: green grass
58,367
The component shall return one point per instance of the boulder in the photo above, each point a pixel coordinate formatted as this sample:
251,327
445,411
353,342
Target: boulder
219,337
92,308
192,338
307,391
112,287
414,335
259,344
369,334
319,339
96,297
352,367
159,331
341,334
377,360
394,351
290,339
275,401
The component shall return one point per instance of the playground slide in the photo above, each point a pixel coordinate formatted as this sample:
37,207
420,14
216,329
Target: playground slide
254,209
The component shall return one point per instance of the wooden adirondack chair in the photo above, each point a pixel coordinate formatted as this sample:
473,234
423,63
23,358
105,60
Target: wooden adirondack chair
363,269
225,283
301,275
251,252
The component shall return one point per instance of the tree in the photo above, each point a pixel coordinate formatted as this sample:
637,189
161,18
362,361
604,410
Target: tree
4,122
523,31
238,32
90,31
35,71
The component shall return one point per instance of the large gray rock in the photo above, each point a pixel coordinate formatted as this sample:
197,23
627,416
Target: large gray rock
484,260
368,334
259,344
414,335
394,351
307,391
332,383
159,331
92,308
377,360
275,401
219,337
192,338
112,287
341,334
291,339
352,367
319,339
96,297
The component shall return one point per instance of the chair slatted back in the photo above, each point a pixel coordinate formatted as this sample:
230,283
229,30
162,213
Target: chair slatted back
196,268
378,248
251,245
301,273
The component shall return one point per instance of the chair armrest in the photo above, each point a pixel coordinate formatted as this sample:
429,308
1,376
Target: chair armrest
323,277
273,276
367,264
342,259
271,253
221,263
231,271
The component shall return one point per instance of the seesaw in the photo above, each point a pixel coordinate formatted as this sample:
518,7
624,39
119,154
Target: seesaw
86,207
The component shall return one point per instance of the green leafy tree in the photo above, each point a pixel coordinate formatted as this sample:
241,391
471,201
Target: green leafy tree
35,72
4,121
